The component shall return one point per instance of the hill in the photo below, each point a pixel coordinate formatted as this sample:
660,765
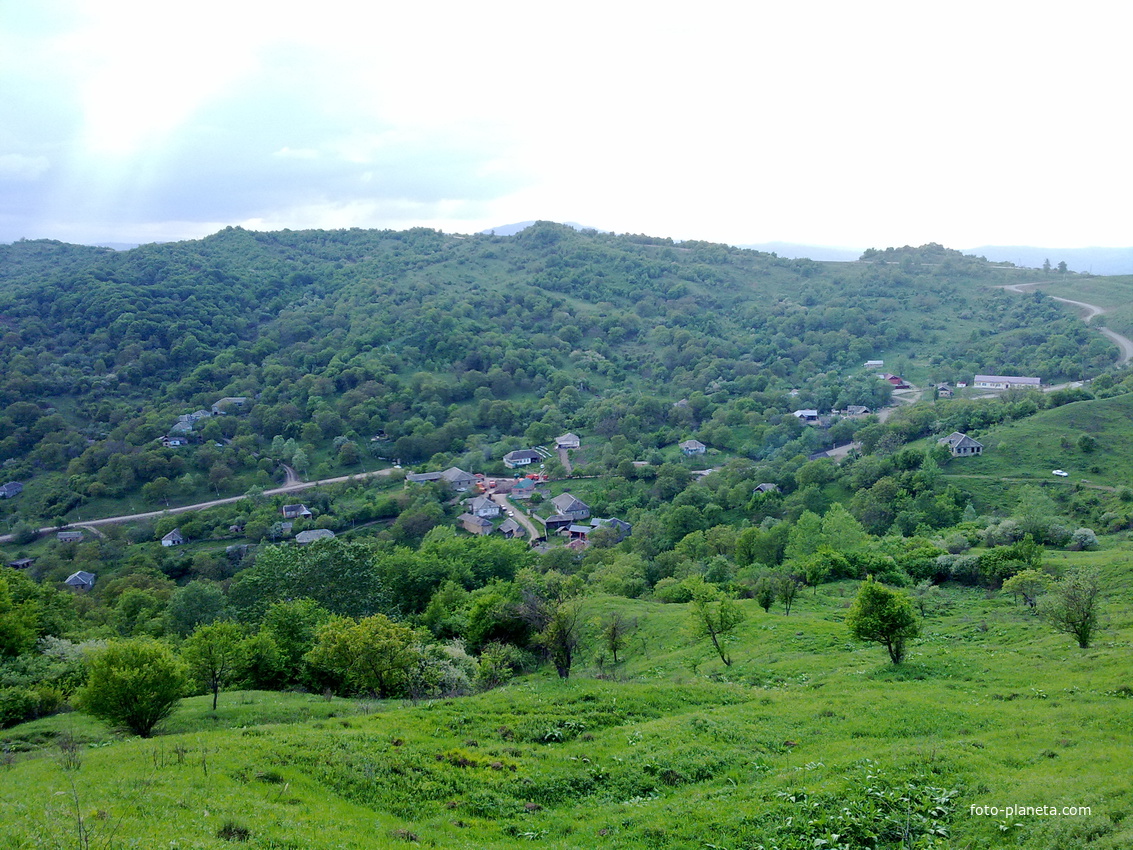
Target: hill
447,345
808,736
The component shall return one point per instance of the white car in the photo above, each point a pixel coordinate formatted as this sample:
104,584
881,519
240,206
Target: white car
1061,473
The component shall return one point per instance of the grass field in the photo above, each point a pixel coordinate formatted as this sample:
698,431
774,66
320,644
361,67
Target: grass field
806,737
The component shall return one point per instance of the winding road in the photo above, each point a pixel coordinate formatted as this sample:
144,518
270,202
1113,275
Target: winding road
292,485
1089,312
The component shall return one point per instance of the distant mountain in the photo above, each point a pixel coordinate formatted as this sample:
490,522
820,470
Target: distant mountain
1091,260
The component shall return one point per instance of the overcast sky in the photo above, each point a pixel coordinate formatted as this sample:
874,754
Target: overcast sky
830,123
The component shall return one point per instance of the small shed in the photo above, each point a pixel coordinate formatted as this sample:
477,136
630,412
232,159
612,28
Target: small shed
82,580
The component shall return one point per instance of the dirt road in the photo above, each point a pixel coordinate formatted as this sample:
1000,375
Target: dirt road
1089,312
294,486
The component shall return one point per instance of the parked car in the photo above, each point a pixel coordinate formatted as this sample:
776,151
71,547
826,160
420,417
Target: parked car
1061,473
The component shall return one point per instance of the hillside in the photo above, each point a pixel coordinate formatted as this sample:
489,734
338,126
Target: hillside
446,346
808,736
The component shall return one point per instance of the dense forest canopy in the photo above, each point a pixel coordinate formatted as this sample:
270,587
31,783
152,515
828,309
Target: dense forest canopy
448,344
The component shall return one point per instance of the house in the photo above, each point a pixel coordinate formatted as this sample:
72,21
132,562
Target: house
522,488
173,538
855,411
21,563
567,505
807,417
11,490
510,528
296,511
484,507
424,477
458,478
622,528
82,580
961,445
1005,382
172,441
521,457
568,441
69,536
567,511
896,381
874,364
577,531
689,448
310,536
229,404
766,487
475,524
943,391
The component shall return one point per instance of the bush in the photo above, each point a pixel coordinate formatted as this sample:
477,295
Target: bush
499,662
134,684
17,705
1083,538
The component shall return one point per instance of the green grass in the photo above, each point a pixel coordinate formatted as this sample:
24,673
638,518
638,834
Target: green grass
1028,449
807,734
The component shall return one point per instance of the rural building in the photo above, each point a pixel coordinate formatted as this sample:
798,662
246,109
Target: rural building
510,528
521,457
82,580
689,448
69,536
855,411
767,488
943,391
458,478
310,536
229,404
296,511
807,416
961,445
874,364
1005,382
568,441
11,490
475,524
484,507
896,381
173,538
21,563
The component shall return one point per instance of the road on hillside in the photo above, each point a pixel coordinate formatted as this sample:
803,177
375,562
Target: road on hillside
294,485
516,512
1090,311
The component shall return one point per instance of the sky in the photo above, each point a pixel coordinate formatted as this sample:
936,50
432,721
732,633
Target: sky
869,124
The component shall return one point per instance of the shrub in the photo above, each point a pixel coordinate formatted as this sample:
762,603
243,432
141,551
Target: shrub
134,684
1083,538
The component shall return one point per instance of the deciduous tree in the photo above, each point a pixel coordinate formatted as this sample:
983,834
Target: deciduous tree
882,615
134,684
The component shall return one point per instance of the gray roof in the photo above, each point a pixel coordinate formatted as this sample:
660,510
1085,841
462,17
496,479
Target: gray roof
313,535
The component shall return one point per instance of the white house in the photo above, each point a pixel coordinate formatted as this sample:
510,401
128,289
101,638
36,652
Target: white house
693,447
173,538
1005,382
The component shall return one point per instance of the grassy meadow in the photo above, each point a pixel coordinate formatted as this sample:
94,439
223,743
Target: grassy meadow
807,740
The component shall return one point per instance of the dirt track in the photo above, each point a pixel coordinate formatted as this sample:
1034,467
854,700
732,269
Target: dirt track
1090,311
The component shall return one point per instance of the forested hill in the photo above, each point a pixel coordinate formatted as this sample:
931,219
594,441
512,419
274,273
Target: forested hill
445,345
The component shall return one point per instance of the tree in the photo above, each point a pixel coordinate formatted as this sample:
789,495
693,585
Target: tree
1030,584
1073,605
616,629
786,589
550,606
134,684
374,655
885,616
212,653
714,615
197,603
